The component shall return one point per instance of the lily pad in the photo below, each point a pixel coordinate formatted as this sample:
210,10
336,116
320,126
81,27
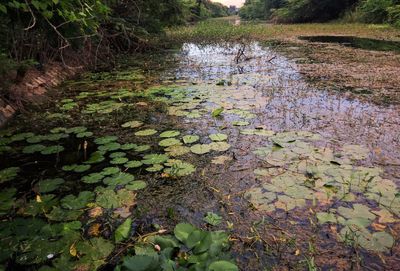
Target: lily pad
155,168
8,174
171,133
179,168
52,150
147,132
218,137
136,185
49,185
93,178
133,164
152,159
132,124
177,150
72,202
105,139
169,142
219,146
189,139
200,148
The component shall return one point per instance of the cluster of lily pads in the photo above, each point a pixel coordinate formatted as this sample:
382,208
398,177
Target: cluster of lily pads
189,248
301,173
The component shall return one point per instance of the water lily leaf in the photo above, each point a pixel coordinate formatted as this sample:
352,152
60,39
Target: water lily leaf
111,146
177,150
110,171
117,154
84,134
52,150
218,137
59,214
49,185
105,139
133,164
76,130
212,219
72,202
141,263
7,200
189,139
8,174
142,148
76,168
222,266
123,230
179,168
324,217
217,112
356,152
151,159
132,124
119,179
136,185
96,157
21,136
171,133
358,211
240,123
146,132
182,231
169,142
128,146
219,146
200,148
108,199
155,168
33,148
119,161
93,178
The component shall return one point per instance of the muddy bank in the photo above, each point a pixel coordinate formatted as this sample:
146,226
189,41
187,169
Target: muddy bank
32,87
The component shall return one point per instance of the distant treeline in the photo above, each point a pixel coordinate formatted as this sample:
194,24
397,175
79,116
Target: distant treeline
301,11
36,31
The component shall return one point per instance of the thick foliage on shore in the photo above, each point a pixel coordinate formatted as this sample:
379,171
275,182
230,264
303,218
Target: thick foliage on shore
37,31
300,11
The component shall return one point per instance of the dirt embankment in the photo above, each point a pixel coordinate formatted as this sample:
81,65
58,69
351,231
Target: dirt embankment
32,87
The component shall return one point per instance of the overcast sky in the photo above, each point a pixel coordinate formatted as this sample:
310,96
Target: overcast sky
237,3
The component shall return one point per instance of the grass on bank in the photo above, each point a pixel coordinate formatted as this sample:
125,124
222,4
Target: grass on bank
224,30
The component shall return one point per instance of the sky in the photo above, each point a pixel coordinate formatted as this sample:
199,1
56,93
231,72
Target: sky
237,3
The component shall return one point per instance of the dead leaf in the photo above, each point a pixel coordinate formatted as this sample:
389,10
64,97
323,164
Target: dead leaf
72,250
378,227
123,212
94,229
95,212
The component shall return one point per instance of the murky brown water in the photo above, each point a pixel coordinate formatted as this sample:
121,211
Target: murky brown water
269,85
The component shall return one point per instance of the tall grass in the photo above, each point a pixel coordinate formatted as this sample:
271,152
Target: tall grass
222,31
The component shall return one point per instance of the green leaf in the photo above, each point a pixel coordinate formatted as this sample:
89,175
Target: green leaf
52,150
133,164
136,185
152,159
123,231
49,185
223,266
93,178
147,132
200,148
171,133
77,202
169,142
217,112
132,124
141,263
218,137
8,174
182,231
212,219
188,139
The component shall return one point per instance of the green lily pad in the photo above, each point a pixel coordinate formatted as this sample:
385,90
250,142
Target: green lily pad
105,139
200,148
147,132
72,202
111,146
132,124
93,178
219,146
171,133
169,142
142,148
189,139
52,150
49,185
177,150
179,168
110,171
152,159
136,185
133,164
119,179
218,137
117,154
212,219
240,123
119,160
155,168
324,217
8,174
222,266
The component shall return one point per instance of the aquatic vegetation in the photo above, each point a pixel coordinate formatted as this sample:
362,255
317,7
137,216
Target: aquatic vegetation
218,137
205,250
146,132
171,133
213,219
189,139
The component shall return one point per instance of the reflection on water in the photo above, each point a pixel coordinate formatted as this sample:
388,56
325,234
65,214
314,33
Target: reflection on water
283,101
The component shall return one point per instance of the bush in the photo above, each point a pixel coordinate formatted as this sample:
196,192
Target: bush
375,11
394,15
